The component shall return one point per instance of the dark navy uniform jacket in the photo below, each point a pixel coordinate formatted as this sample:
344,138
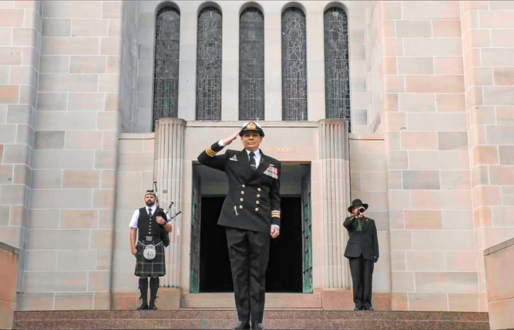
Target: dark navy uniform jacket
253,198
363,242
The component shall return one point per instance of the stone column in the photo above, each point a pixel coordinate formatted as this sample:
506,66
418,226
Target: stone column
74,159
333,137
419,89
19,75
488,51
168,168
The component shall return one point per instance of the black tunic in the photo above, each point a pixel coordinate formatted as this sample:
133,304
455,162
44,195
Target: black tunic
251,207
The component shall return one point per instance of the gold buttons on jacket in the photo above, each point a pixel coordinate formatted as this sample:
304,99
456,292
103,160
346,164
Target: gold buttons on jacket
256,209
242,199
257,202
240,206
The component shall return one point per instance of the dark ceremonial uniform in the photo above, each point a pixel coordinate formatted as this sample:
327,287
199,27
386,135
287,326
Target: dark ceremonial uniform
251,207
362,251
149,233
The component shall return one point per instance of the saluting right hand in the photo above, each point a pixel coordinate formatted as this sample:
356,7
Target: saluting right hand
231,138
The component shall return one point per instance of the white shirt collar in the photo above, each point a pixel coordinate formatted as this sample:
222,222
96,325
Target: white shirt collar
153,207
256,152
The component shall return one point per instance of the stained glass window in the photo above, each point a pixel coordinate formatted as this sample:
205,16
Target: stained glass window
337,79
208,65
294,68
251,65
167,43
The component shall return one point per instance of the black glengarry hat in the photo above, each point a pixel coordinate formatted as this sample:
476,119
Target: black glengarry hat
251,126
357,202
150,192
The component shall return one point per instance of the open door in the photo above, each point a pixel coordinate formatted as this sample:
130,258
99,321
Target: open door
195,234
307,233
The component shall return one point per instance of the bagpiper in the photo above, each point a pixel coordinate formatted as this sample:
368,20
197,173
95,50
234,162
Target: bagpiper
149,224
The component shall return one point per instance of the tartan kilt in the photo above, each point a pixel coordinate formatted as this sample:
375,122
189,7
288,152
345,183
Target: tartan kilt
157,266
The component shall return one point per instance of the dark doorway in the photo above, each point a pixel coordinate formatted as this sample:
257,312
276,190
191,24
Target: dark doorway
215,275
285,262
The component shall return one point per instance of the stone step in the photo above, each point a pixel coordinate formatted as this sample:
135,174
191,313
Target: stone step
273,300
225,319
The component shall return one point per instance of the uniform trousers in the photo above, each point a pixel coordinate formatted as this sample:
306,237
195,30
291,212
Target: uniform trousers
249,253
362,276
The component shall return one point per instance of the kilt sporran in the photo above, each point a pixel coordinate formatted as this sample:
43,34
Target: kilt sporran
149,252
150,266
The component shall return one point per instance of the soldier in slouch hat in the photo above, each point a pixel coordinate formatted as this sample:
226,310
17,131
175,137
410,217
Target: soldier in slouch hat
147,224
362,252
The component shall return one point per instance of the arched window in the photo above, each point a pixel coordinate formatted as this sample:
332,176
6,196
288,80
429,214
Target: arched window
208,65
167,43
337,80
251,64
294,67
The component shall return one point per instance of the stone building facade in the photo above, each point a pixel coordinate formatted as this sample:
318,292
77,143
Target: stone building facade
425,88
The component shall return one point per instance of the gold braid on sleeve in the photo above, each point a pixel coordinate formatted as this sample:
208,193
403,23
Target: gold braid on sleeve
210,152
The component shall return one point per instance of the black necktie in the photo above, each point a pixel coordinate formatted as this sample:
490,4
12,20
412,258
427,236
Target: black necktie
150,212
252,160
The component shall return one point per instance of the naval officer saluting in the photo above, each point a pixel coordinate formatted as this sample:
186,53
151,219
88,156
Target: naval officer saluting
250,214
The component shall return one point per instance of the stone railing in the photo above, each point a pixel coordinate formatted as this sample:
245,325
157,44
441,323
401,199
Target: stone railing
8,274
499,267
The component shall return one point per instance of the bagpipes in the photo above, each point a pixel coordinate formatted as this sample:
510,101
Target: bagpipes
163,233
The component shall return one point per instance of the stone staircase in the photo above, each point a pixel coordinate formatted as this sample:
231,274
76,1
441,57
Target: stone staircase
225,319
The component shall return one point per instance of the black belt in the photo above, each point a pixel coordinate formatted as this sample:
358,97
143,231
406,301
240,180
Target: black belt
146,239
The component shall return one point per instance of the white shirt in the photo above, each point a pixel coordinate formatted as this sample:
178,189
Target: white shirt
257,153
257,156
135,215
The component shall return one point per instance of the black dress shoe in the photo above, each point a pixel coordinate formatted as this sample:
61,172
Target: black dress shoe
143,306
242,326
356,309
257,326
370,309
